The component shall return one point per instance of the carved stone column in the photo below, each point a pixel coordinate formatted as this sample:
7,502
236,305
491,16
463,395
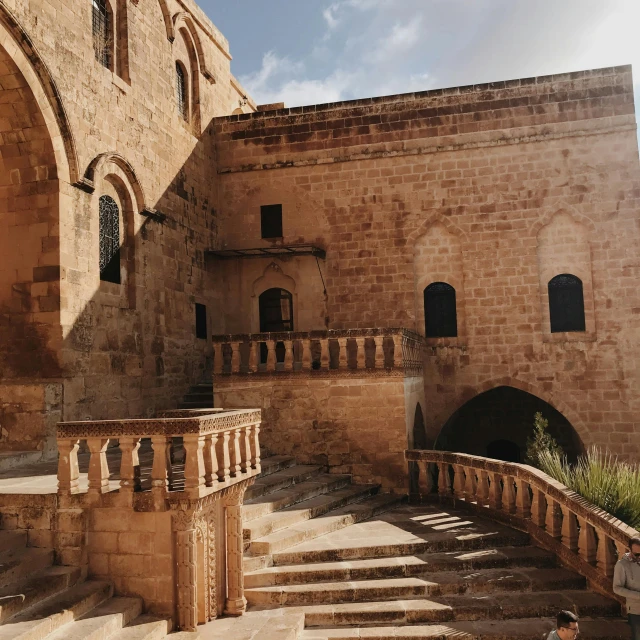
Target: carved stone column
184,524
236,603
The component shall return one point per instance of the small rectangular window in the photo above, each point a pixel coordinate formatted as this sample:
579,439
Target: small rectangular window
201,321
271,220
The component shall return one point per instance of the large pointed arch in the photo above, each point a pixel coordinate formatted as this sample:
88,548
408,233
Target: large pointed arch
166,16
20,48
183,19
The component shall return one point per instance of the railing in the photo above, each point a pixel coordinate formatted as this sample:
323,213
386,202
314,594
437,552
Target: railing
584,536
346,351
220,449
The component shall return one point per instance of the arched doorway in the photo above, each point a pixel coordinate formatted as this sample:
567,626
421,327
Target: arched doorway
497,423
276,315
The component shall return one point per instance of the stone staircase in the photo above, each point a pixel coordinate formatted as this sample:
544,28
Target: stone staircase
199,396
346,562
39,600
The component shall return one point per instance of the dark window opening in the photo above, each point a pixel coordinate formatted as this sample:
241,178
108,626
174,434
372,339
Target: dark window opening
271,221
504,450
109,240
276,315
102,32
181,91
201,321
440,311
566,303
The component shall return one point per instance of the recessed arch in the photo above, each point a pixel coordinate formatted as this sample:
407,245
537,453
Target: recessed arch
184,20
166,16
20,48
434,219
562,208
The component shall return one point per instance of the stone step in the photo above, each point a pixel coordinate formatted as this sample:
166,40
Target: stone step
523,629
429,585
145,627
333,520
262,514
400,566
500,538
46,617
103,621
18,597
18,563
504,606
273,464
12,538
264,486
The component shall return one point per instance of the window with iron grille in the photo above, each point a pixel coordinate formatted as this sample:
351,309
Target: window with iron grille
440,315
102,36
566,303
271,221
109,240
201,321
181,91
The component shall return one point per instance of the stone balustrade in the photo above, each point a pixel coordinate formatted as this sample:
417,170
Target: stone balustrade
332,351
584,537
220,449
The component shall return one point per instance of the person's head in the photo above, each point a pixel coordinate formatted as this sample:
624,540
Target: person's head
634,547
567,625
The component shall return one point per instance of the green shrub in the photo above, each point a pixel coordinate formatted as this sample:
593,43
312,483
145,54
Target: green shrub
600,478
541,441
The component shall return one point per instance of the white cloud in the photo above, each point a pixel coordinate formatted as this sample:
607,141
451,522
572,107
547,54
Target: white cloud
330,16
401,38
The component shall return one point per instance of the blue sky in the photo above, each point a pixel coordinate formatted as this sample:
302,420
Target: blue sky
313,51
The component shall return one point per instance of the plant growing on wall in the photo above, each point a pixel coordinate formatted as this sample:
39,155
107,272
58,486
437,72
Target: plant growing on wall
541,441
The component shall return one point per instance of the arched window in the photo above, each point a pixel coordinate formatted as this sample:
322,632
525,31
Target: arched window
109,240
102,32
566,303
440,311
181,92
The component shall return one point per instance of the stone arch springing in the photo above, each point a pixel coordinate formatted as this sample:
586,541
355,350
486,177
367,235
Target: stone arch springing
168,23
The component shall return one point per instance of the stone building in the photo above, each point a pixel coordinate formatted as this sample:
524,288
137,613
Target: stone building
148,204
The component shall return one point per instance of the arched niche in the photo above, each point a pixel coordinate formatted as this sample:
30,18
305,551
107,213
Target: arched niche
272,278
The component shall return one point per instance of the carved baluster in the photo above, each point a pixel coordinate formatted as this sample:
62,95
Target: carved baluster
553,520
98,468
605,557
361,357
425,481
306,354
288,355
495,491
224,459
586,542
218,359
621,548
379,340
483,488
161,472
210,460
538,508
253,356
235,453
343,361
458,481
470,485
271,355
194,469
68,472
235,357
569,529
129,465
523,499
245,446
444,482
236,603
398,356
324,353
508,495
255,447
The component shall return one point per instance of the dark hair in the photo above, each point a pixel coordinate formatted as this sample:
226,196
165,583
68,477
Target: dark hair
565,618
634,540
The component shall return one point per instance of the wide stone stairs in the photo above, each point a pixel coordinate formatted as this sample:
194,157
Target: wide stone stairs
199,396
354,563
39,600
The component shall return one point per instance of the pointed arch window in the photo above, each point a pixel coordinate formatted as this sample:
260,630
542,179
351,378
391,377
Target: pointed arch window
109,240
181,91
566,303
102,32
440,315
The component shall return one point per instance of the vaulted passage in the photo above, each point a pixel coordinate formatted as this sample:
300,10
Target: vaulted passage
498,422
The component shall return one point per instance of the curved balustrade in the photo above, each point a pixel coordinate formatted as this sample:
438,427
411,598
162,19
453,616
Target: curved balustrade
221,449
346,351
584,536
